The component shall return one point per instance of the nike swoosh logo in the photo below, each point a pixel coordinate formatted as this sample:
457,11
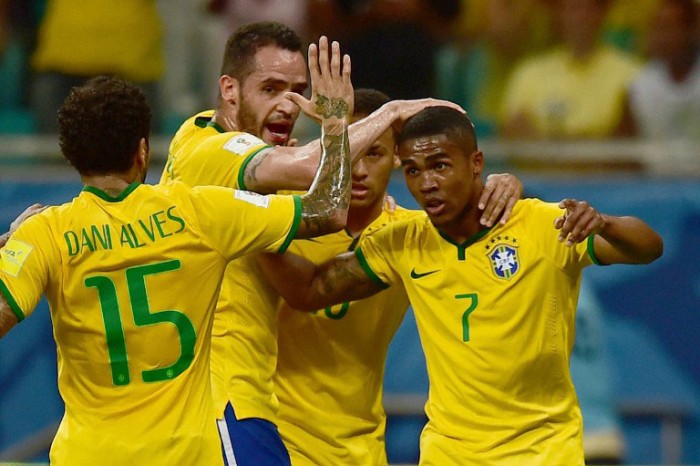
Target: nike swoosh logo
415,274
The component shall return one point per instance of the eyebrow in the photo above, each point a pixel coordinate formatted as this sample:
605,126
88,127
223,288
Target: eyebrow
283,82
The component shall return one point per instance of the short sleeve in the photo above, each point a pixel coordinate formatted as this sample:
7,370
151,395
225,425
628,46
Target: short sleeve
376,258
241,222
25,264
574,257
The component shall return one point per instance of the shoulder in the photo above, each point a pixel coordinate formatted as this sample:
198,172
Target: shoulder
399,224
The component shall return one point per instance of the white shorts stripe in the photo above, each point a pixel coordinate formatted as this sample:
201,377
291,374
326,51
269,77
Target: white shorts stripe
226,442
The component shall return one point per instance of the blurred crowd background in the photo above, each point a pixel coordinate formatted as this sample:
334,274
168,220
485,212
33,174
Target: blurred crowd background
525,69
594,99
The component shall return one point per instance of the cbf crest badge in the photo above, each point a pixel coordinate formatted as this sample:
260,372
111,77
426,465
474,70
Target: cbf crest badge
503,254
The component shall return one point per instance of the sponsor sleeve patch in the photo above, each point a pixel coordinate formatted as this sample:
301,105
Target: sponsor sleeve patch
242,143
252,198
13,256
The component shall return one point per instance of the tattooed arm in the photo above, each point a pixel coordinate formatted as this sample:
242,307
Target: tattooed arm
293,168
307,287
325,206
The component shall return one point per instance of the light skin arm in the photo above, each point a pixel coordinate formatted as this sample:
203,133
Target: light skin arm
308,287
618,240
325,206
293,168
28,212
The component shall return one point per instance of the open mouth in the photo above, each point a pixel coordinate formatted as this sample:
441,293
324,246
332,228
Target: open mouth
359,190
278,133
433,206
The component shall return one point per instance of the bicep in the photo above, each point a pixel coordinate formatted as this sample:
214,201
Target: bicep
282,168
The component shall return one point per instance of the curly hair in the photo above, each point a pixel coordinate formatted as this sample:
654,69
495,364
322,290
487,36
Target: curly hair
242,45
101,124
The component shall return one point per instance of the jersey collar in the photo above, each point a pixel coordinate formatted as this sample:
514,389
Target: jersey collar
106,197
462,248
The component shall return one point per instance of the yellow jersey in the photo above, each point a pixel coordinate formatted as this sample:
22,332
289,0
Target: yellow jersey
330,366
565,97
496,321
132,282
244,345
101,36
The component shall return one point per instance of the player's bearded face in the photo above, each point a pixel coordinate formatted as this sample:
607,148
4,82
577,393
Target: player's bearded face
247,120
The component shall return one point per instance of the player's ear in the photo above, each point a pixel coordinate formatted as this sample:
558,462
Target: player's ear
142,153
229,89
478,161
397,161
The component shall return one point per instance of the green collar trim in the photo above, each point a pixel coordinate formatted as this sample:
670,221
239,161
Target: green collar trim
462,248
216,126
106,197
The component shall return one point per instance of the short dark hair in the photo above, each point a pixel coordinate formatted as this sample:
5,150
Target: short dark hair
440,120
101,124
245,41
368,100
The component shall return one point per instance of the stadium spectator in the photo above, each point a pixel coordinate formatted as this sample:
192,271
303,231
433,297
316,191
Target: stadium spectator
393,43
473,71
134,253
494,306
576,90
664,100
78,40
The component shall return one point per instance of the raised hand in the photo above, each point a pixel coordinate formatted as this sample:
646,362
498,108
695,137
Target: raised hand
331,88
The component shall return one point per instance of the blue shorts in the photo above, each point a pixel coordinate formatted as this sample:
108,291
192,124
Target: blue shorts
251,442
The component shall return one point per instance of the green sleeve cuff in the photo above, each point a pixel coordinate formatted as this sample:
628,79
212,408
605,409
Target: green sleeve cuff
295,224
11,301
368,270
591,250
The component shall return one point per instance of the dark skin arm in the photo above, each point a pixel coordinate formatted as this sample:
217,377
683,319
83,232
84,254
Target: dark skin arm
306,286
618,240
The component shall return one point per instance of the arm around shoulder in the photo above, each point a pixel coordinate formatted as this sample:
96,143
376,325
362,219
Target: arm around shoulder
306,286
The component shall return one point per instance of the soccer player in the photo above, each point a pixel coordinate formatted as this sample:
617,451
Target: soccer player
242,145
132,273
340,351
494,305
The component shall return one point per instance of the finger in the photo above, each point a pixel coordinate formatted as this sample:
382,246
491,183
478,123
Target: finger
292,142
313,63
390,203
508,209
486,193
323,64
346,69
335,60
298,99
583,227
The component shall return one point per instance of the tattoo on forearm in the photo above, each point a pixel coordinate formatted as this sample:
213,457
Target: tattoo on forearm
250,177
330,189
333,107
